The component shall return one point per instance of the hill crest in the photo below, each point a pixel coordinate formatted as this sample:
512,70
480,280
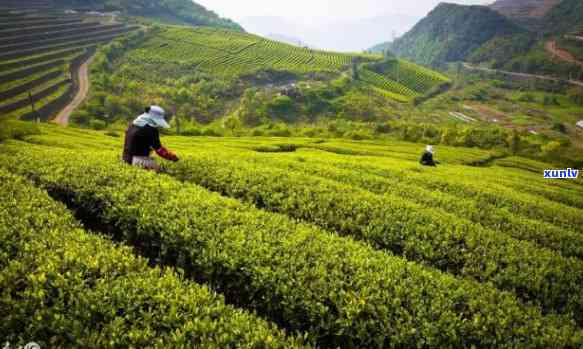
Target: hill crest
450,32
524,8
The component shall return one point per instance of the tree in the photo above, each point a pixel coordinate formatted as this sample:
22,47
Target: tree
576,95
514,142
551,149
355,73
281,106
232,123
252,109
449,136
389,55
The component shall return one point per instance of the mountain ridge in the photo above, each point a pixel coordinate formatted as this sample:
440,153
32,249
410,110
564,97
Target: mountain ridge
450,32
524,8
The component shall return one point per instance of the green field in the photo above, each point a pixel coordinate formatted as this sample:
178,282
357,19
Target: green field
298,215
176,52
311,242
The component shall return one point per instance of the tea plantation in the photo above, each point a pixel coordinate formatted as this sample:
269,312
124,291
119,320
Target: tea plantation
285,242
41,49
175,52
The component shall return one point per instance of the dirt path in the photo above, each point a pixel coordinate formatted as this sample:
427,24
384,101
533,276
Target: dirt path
523,75
63,117
551,47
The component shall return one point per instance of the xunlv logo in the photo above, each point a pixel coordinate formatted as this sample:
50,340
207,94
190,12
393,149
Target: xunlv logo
568,173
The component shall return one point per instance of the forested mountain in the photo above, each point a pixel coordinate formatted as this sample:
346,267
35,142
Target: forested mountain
450,32
565,17
178,11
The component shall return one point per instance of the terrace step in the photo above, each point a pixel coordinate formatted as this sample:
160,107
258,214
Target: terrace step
44,49
25,62
47,36
36,23
15,91
35,97
28,18
21,74
47,28
28,45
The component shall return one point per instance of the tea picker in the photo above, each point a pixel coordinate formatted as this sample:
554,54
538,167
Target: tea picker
427,157
142,136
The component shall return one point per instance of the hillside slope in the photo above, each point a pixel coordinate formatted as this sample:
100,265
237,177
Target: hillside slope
207,73
567,16
174,11
450,32
41,51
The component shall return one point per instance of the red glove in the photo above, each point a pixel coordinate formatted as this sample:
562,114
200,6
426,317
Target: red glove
166,154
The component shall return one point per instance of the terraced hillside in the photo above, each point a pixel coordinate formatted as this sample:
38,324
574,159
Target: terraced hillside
403,78
41,49
352,243
177,52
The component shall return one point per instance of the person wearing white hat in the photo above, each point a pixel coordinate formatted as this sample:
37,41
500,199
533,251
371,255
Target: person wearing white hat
142,136
427,157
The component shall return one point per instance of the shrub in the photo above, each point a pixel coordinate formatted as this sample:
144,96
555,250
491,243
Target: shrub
279,131
211,132
191,131
527,97
550,100
358,135
97,124
112,133
12,129
383,128
80,117
576,95
559,127
257,133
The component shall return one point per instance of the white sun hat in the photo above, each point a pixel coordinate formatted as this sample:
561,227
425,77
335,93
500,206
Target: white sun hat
153,118
429,148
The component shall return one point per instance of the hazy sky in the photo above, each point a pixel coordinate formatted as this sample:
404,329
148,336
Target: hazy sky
327,9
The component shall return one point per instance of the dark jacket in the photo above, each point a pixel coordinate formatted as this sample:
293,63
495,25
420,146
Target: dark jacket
427,159
140,141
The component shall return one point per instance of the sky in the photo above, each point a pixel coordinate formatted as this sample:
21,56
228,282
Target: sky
338,25
328,10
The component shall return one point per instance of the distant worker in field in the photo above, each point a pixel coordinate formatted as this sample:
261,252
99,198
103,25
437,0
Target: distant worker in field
427,157
142,136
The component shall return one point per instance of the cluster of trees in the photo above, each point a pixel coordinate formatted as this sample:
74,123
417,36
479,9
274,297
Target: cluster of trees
342,98
511,141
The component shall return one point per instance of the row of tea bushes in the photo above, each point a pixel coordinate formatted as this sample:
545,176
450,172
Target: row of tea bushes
63,287
389,222
343,293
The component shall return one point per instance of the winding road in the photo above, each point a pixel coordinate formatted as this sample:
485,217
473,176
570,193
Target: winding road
83,74
523,75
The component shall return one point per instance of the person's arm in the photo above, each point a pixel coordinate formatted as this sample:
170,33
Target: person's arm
160,150
166,154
